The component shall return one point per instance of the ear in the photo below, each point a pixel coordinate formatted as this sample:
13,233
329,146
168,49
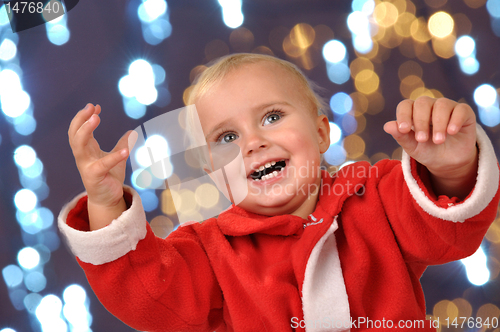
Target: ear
323,126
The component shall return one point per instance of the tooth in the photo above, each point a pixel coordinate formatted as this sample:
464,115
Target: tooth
261,168
273,163
275,173
268,165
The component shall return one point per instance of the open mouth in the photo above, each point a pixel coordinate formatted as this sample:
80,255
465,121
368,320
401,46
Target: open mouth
269,170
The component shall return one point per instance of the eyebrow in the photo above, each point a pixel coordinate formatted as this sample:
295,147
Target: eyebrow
256,108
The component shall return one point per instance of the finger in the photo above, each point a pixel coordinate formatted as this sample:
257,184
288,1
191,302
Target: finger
102,166
79,119
422,108
441,113
404,116
85,133
132,139
462,116
405,140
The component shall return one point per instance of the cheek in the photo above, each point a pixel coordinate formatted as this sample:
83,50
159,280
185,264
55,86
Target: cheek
299,141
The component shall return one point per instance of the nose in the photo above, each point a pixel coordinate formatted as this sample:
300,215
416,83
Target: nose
254,142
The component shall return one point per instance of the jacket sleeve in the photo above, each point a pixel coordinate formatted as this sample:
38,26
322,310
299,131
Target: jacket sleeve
149,283
435,230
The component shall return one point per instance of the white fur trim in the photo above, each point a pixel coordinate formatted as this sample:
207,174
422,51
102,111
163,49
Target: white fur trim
484,191
324,296
111,242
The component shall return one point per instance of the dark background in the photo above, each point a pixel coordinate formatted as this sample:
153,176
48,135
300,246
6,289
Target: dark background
106,37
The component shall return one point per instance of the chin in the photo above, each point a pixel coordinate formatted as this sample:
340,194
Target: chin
268,205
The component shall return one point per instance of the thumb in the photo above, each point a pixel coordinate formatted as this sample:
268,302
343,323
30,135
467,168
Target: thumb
127,141
406,140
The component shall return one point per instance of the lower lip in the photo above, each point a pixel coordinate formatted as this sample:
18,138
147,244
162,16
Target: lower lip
274,179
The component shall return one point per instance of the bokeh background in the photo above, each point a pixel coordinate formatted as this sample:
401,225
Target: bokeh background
137,59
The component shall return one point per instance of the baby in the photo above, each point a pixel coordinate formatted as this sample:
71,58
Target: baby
348,255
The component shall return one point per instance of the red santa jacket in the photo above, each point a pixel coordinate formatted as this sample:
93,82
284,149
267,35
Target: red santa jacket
354,264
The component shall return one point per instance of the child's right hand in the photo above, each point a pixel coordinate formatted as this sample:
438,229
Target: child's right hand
102,173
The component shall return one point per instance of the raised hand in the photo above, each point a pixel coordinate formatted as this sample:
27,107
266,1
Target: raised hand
440,134
102,173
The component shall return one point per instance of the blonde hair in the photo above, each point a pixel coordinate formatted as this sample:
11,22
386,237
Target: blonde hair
218,69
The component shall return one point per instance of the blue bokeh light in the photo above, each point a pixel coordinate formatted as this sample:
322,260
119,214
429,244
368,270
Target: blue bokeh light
334,51
8,50
469,65
142,71
363,43
338,73
358,23
155,32
74,294
231,13
24,156
150,10
58,34
31,301
490,116
159,74
477,268
335,133
25,124
12,275
335,155
49,312
34,170
465,46
14,102
4,19
35,281
134,109
485,95
28,258
149,200
25,200
493,7
349,124
341,103
9,81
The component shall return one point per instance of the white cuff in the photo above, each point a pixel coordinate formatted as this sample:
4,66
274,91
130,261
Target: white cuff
111,242
482,194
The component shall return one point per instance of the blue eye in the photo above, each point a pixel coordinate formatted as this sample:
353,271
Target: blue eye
272,117
227,138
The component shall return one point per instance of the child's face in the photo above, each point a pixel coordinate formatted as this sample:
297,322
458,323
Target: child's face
263,109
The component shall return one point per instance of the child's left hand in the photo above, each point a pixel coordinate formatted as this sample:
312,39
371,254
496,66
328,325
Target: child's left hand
440,134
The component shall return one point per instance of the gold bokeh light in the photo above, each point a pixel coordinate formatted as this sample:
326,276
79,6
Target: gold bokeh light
445,309
410,68
367,81
409,84
403,25
354,145
385,14
206,195
302,35
419,30
441,24
241,39
359,64
444,47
